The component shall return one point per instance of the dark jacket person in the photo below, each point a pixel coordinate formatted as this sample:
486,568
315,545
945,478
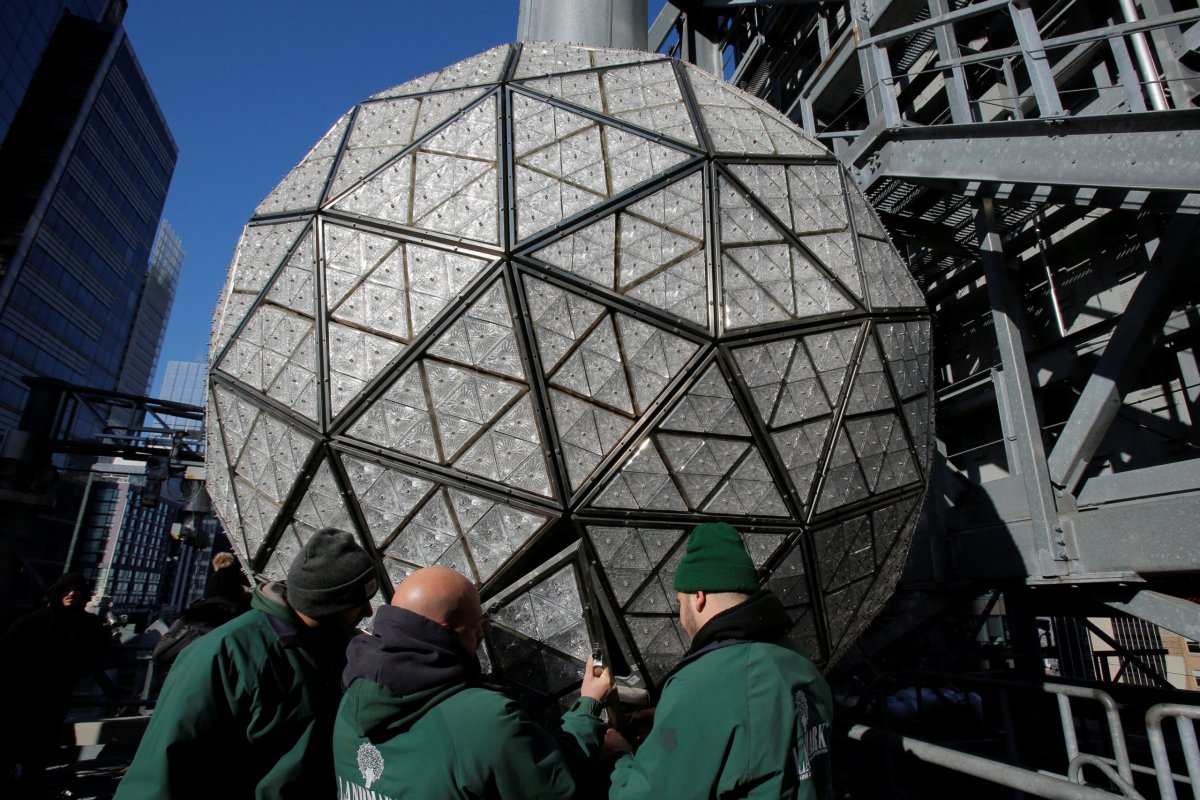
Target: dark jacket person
42,656
247,710
415,723
745,713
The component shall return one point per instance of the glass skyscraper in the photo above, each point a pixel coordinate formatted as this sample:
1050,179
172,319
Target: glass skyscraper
85,287
183,382
158,293
87,159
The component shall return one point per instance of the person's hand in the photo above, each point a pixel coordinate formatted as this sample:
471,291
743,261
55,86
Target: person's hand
595,686
614,744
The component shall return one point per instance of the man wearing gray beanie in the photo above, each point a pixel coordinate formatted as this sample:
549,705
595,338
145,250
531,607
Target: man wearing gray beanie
260,692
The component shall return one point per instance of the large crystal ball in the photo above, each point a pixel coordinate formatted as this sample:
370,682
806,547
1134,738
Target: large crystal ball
557,292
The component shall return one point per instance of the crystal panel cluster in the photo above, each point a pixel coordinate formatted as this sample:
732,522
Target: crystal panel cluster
539,638
584,294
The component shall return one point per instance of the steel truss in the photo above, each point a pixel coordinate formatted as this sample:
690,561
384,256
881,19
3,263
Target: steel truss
1033,162
1007,145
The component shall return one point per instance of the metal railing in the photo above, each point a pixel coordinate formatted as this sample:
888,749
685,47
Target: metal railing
1183,716
1118,769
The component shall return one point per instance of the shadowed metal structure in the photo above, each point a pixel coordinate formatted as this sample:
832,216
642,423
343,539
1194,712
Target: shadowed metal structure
555,294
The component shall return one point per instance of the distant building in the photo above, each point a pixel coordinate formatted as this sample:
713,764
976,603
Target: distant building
154,305
87,159
25,30
183,382
122,545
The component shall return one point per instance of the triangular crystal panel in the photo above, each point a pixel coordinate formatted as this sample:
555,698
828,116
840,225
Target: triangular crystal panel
643,483
356,358
449,183
322,506
386,495
302,188
736,123
566,163
487,67
766,278
659,257
382,129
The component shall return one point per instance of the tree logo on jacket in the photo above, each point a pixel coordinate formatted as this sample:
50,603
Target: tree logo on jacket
370,763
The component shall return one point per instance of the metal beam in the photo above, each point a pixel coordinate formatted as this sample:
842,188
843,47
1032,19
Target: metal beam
663,24
1149,152
949,18
1124,355
1154,537
1173,613
1021,422
1156,481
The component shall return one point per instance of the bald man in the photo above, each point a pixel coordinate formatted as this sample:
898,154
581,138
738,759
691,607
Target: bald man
415,722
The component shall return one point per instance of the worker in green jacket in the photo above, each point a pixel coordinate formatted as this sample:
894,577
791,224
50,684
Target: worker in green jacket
415,723
247,709
744,714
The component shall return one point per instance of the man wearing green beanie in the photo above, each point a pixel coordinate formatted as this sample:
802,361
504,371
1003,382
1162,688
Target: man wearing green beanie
744,713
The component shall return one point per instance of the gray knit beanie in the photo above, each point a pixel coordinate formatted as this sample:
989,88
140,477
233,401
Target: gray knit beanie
331,574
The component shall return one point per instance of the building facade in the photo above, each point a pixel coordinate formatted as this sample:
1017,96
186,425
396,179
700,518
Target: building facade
87,159
123,545
183,382
154,305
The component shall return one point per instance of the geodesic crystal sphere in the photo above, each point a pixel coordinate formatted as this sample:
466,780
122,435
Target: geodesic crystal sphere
554,292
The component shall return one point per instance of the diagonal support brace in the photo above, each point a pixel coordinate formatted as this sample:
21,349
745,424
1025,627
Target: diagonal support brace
1132,340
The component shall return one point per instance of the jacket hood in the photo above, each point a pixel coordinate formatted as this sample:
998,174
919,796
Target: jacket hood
408,654
67,581
760,618
271,598
414,664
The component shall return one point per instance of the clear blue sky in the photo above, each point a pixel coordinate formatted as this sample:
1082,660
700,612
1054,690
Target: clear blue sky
248,87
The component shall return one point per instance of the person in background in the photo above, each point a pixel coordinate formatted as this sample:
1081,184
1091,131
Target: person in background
227,580
744,713
416,723
247,710
43,655
226,595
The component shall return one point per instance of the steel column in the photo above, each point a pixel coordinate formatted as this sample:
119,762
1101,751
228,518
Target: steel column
701,43
1127,74
600,23
868,66
1007,317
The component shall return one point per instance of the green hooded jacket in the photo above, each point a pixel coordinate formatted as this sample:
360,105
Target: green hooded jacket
745,714
246,712
415,724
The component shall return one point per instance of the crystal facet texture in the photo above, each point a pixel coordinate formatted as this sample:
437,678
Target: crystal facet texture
555,293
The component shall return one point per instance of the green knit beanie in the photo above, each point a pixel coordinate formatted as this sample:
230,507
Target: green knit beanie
716,561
